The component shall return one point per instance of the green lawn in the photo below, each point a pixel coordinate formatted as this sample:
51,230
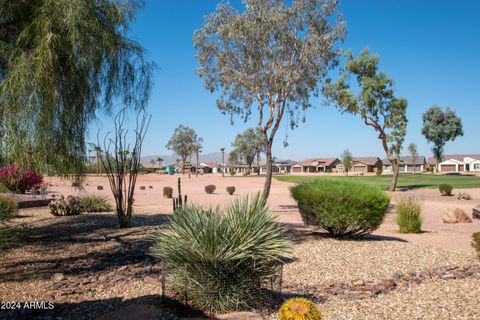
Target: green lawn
405,180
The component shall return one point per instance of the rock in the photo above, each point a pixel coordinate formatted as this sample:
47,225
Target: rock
464,196
358,283
58,276
476,212
456,215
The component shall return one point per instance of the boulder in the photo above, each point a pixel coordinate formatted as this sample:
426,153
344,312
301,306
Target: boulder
476,212
464,196
456,215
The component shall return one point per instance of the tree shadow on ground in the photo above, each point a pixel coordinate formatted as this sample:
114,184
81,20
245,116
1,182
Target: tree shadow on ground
144,307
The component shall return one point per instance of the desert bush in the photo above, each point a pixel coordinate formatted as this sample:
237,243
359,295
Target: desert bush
476,242
65,206
343,208
168,192
95,203
232,173
210,188
221,257
299,308
8,207
246,173
4,189
231,190
76,184
99,188
142,188
409,214
445,189
150,187
17,180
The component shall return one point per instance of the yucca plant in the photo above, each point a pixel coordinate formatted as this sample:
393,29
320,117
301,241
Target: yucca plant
222,257
409,214
95,203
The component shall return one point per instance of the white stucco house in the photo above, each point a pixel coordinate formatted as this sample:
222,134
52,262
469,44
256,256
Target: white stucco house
460,163
406,165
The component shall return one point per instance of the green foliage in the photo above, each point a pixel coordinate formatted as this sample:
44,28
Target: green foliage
221,256
270,56
210,188
445,189
299,309
376,103
347,160
439,127
62,62
409,214
167,192
476,242
231,190
8,207
4,189
184,142
95,203
65,206
249,145
343,208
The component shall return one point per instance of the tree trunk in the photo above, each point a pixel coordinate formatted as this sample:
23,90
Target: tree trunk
268,178
223,164
396,168
258,164
196,168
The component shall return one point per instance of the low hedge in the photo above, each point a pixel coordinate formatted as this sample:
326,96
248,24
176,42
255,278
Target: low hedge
342,208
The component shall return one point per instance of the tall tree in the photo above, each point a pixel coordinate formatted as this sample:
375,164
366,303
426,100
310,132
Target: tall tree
376,104
232,159
248,145
160,161
270,57
61,63
412,149
347,159
197,149
182,142
439,127
222,149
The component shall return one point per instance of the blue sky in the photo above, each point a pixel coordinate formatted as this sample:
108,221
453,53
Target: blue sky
429,47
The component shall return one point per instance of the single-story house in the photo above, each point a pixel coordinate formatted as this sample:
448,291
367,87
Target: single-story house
460,163
173,168
209,167
366,164
407,164
279,166
316,165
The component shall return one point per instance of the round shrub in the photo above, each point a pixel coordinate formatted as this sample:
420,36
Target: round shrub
210,188
231,190
342,208
17,180
298,308
95,203
222,257
8,207
445,189
167,192
142,188
99,188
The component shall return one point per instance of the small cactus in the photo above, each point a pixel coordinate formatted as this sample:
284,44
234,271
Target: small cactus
299,309
178,202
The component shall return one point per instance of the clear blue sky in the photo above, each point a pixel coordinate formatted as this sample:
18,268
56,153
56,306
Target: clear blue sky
431,49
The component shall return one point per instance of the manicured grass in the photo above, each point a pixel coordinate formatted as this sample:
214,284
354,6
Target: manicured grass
405,180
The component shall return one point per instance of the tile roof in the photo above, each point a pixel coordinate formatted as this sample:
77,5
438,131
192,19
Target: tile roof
370,161
408,160
317,162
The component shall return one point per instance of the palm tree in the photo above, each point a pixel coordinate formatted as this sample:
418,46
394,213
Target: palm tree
223,161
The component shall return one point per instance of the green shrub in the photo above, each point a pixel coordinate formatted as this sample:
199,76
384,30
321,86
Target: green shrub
343,208
221,257
231,190
445,189
409,214
210,188
8,207
476,242
4,189
95,203
168,192
99,188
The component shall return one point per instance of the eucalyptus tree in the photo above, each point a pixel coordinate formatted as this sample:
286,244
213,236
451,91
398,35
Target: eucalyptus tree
249,144
182,142
270,57
375,103
412,149
439,127
61,63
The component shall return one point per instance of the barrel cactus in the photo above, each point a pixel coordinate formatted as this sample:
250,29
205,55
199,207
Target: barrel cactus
299,309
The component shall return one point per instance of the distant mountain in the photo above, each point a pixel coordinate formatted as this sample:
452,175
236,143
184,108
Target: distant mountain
171,159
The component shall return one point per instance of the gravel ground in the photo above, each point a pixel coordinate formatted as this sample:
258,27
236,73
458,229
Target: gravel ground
442,300
326,261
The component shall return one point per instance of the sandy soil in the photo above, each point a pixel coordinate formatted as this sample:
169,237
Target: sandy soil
151,201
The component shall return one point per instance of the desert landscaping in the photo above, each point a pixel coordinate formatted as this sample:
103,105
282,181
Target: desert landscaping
90,267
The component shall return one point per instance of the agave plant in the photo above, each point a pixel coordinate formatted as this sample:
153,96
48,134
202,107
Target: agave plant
219,256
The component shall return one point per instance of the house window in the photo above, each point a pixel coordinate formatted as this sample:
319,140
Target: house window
476,167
